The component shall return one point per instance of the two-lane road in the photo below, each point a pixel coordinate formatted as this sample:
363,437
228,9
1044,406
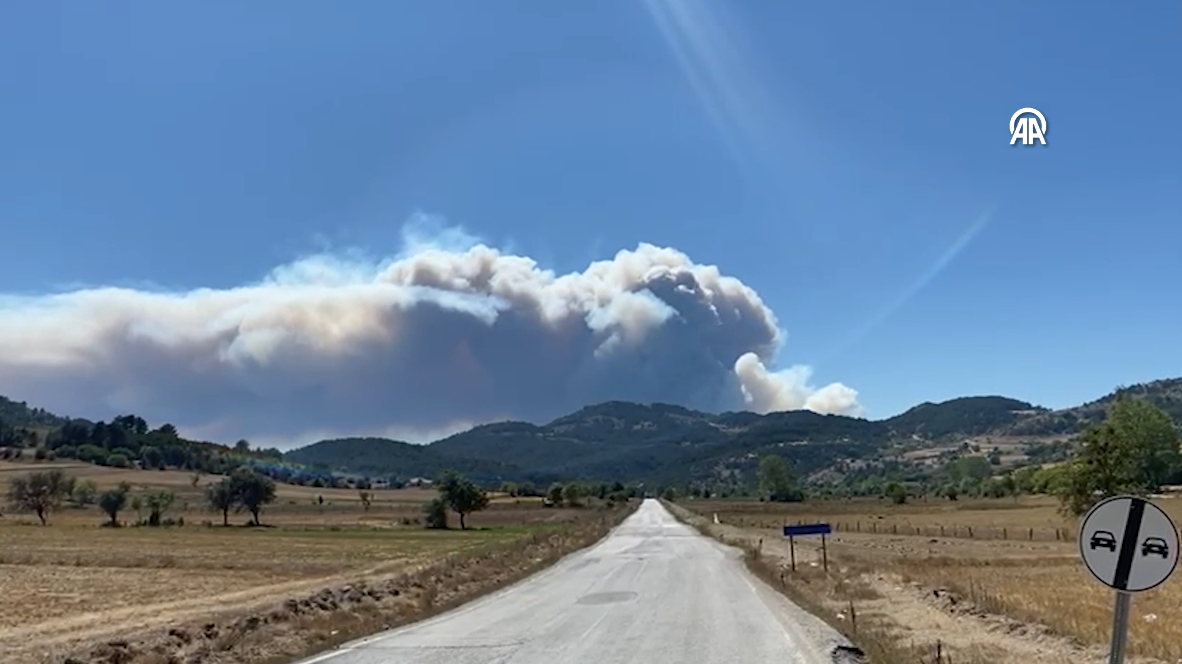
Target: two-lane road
653,592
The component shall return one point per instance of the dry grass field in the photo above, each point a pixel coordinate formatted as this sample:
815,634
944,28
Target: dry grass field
1013,590
76,581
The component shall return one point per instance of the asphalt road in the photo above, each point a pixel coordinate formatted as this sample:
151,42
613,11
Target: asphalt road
652,592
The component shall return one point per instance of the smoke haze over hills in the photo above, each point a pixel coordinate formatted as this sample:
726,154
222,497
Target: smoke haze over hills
448,333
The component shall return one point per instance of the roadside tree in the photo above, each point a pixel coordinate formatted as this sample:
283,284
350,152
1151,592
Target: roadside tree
158,503
572,493
253,490
112,501
1133,451
776,481
221,497
462,496
554,493
40,493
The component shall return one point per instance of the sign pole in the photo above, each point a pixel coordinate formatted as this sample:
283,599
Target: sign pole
821,529
1120,627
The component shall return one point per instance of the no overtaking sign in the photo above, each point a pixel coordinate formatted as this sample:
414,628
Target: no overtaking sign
1129,544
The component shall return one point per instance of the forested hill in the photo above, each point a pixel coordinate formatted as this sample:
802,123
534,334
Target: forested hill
662,442
1165,394
966,416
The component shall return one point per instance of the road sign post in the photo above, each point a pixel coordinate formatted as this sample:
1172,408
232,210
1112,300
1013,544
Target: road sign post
824,553
1130,545
791,532
1120,627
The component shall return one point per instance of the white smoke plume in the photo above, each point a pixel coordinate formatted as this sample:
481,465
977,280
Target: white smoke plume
433,339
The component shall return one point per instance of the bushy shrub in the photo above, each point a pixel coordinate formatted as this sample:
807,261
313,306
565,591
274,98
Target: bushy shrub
118,461
435,514
83,493
91,453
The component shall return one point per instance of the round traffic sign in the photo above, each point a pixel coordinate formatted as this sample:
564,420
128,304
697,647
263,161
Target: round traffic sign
1128,543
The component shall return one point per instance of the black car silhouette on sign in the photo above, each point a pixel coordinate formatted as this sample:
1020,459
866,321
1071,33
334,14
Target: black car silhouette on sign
1155,545
1102,539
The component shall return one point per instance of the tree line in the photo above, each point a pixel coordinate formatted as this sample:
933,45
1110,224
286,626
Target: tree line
45,492
572,493
463,496
127,441
244,489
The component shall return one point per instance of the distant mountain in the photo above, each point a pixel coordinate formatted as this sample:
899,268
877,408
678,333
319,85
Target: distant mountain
667,443
592,436
615,440
966,416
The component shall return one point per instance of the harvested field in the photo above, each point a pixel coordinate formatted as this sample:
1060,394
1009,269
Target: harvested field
80,582
998,595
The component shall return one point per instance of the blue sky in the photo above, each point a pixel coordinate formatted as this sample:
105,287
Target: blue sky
848,161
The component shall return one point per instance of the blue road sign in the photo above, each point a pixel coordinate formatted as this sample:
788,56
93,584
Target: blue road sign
807,529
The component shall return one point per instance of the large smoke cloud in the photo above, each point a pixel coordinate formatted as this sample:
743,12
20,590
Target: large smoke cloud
438,338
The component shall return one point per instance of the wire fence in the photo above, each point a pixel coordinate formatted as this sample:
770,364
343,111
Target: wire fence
960,531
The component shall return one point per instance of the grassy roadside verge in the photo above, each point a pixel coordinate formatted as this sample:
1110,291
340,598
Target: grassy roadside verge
315,622
982,580
825,596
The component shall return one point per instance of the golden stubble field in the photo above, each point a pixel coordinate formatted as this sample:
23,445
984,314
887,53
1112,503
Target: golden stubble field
1021,561
74,580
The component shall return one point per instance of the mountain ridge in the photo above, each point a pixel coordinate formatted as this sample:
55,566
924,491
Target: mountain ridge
665,442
